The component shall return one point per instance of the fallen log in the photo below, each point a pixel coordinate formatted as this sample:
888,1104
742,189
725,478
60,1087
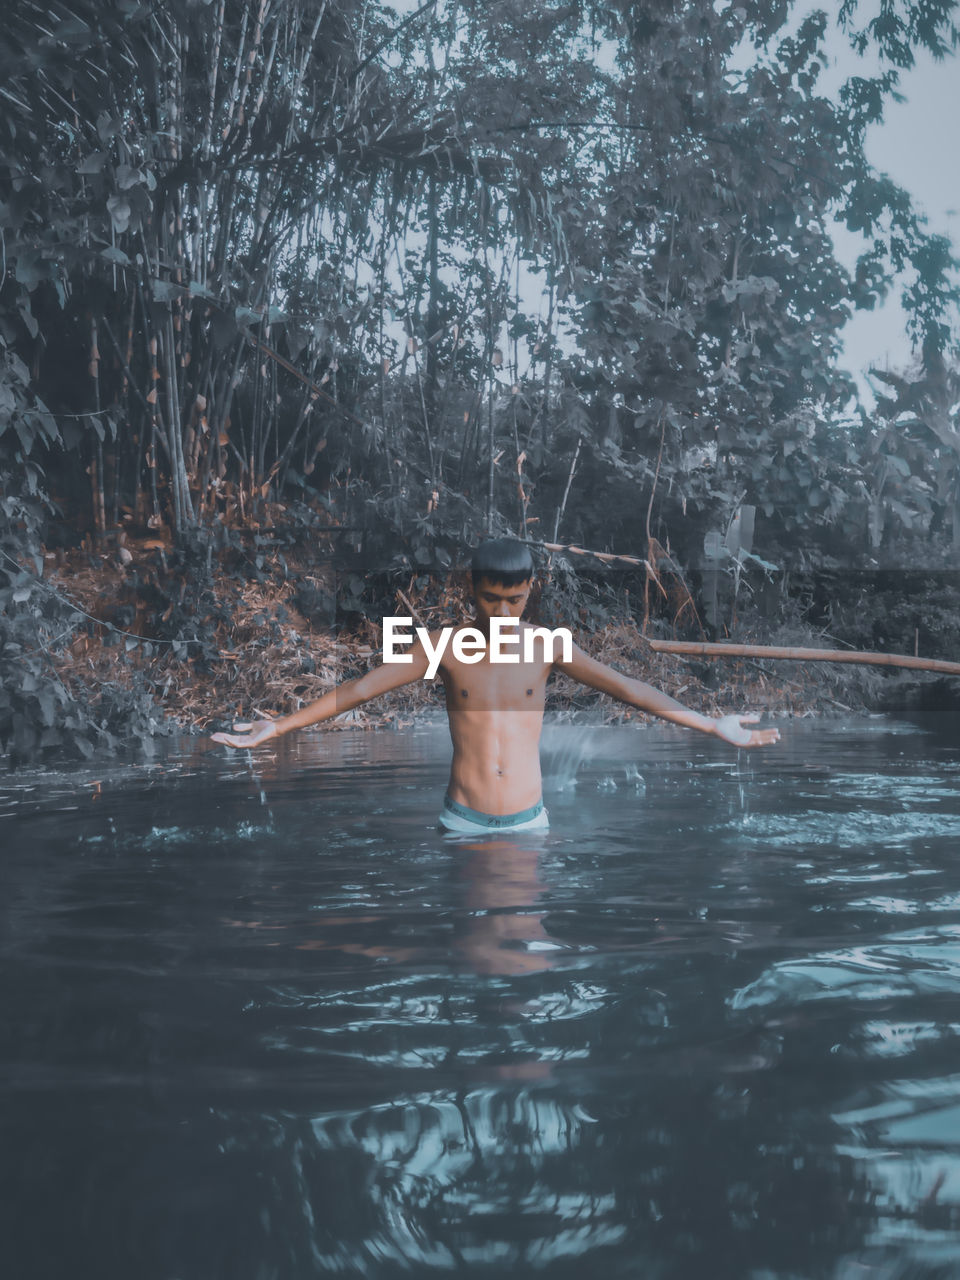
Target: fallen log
693,648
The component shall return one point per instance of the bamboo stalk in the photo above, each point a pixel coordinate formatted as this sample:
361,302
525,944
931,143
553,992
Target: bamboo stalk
492,460
125,393
703,650
566,493
257,443
651,554
212,77
433,299
251,60
543,408
238,67
171,384
99,503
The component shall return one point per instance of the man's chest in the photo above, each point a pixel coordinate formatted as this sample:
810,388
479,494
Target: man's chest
485,685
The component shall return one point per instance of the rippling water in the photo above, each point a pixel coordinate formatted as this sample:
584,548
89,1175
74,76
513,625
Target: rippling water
261,1020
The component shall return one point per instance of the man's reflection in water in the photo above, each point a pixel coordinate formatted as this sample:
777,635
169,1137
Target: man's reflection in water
501,884
498,933
497,929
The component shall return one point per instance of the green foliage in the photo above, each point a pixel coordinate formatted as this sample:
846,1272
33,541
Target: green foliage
34,705
40,717
912,466
891,610
32,699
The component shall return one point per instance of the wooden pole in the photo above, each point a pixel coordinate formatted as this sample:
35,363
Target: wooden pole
694,648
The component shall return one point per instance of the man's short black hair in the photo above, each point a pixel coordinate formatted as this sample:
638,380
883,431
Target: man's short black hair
504,561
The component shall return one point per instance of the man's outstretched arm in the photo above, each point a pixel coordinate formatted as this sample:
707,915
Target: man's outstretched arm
346,696
643,696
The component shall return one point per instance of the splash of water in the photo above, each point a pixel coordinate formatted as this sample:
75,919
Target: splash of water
255,777
563,749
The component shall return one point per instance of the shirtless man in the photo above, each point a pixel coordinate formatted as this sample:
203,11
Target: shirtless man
495,711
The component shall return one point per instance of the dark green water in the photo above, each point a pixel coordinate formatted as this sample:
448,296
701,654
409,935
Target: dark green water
263,1022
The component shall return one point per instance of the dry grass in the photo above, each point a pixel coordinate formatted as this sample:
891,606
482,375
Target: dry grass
266,666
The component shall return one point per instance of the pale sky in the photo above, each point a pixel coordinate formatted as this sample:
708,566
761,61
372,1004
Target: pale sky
918,146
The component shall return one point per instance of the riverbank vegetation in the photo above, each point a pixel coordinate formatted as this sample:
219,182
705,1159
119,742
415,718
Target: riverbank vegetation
298,300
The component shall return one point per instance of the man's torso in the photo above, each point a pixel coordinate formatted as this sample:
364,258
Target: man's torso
495,711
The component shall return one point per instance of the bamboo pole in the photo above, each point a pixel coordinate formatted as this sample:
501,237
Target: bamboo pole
96,466
566,494
694,648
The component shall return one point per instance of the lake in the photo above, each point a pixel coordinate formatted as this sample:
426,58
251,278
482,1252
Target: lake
263,1021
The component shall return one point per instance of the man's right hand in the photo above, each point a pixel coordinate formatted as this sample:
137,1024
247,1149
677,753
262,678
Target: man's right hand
247,735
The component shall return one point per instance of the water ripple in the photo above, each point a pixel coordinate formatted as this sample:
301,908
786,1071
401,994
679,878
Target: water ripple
907,964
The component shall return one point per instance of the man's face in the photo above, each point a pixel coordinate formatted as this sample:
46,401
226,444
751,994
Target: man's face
494,600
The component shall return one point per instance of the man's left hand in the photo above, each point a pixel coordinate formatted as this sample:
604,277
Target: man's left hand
731,729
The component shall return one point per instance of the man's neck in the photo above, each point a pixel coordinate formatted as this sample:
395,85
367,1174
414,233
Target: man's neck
483,625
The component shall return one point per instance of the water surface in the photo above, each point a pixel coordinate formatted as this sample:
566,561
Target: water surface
262,1021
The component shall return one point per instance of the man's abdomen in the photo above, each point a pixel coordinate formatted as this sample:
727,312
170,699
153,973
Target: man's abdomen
496,765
